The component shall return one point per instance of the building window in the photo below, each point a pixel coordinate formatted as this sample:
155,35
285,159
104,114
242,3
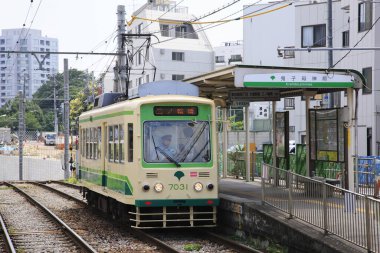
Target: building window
235,58
23,41
47,43
219,59
42,42
164,30
367,73
178,56
147,79
346,38
185,31
2,42
139,28
139,57
178,77
365,16
314,36
289,104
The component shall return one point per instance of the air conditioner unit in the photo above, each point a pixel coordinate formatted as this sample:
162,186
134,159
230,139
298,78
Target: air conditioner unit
162,76
162,51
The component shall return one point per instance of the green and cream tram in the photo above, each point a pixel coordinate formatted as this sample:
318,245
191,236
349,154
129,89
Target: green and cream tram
151,160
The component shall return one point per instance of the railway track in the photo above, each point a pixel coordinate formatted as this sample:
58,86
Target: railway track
34,228
6,244
173,245
103,235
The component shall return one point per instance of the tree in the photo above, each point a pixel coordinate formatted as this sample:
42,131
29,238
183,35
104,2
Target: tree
34,116
79,91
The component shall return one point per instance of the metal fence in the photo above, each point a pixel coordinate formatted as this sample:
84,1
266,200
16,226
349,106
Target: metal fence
368,171
40,162
351,216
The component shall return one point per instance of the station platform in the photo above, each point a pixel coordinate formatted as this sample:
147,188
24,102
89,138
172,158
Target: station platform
241,212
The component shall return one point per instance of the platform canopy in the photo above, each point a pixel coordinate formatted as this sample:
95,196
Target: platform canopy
272,83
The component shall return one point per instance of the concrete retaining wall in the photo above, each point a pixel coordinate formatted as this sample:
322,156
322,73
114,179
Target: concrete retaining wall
251,219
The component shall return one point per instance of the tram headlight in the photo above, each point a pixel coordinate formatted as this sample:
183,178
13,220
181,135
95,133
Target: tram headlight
198,186
158,187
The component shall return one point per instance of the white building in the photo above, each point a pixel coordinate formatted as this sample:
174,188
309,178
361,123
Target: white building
183,50
305,25
15,68
228,53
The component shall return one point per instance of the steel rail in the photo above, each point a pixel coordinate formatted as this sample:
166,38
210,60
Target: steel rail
142,235
60,193
66,184
8,241
241,248
80,241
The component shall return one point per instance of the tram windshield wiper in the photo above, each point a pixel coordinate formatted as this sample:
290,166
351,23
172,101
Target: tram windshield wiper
170,159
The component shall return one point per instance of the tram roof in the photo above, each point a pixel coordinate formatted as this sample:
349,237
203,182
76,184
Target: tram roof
219,83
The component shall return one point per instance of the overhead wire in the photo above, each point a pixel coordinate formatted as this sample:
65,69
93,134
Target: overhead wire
207,22
164,14
357,43
206,15
27,32
218,24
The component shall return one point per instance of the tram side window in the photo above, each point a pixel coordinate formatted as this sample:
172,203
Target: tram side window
91,143
116,144
95,144
81,141
121,143
99,142
110,143
130,142
87,143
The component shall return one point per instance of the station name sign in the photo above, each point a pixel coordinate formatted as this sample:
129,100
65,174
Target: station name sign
298,80
254,95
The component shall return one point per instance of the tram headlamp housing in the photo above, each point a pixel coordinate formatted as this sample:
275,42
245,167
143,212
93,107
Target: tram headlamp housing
198,187
210,187
146,187
158,187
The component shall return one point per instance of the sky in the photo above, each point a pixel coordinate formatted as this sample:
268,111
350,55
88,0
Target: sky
84,25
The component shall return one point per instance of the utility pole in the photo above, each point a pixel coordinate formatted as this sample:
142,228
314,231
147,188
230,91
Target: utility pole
21,130
330,45
66,122
120,68
55,107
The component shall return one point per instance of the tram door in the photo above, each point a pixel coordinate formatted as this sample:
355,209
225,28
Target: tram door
328,143
282,140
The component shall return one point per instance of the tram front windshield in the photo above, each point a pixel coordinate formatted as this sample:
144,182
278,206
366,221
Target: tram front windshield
177,142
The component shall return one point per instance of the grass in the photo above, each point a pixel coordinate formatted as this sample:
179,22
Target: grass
72,180
192,247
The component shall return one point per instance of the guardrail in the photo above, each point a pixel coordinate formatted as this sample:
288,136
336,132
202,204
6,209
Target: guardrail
351,216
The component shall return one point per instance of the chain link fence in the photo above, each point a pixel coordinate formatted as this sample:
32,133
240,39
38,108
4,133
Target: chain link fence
40,161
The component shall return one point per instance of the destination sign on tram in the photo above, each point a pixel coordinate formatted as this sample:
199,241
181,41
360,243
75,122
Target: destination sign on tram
175,111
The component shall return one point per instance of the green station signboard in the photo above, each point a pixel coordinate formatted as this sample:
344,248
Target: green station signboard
298,80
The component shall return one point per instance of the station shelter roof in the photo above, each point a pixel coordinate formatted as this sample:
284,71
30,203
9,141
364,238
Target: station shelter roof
274,81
